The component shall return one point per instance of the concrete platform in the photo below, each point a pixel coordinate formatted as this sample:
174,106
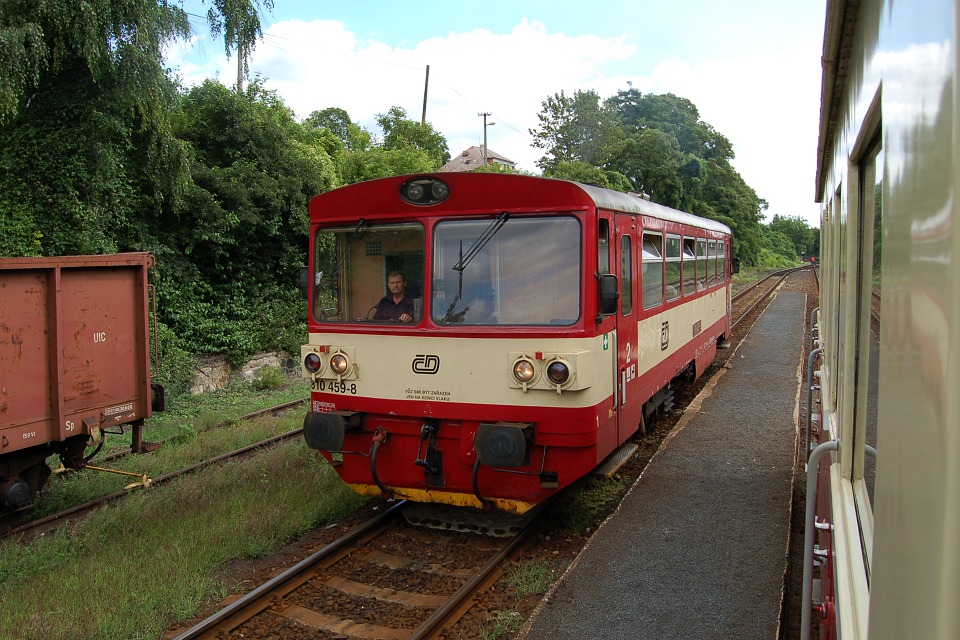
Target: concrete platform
698,547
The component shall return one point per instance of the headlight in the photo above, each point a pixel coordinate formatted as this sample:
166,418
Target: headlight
339,364
558,372
440,190
312,362
524,371
414,192
424,191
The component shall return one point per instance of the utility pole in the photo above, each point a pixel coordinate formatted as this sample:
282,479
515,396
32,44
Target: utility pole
241,57
485,125
426,83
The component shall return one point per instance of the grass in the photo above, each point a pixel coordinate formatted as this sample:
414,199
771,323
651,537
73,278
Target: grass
131,570
531,578
500,623
593,498
193,429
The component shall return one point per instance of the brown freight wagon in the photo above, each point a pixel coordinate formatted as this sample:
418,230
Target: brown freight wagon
74,361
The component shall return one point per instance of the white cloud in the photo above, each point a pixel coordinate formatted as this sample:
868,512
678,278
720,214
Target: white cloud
766,105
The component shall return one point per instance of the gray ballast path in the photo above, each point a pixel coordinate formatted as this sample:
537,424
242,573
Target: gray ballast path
698,547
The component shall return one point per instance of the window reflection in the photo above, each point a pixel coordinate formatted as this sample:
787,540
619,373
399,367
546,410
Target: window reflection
866,371
526,273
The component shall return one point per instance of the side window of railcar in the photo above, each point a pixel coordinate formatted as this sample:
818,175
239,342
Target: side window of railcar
722,261
712,263
652,270
352,267
673,274
603,246
626,275
689,266
701,265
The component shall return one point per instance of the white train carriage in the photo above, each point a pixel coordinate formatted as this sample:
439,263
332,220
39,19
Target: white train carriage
883,558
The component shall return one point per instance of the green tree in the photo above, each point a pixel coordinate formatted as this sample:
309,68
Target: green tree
730,200
378,162
802,237
238,21
673,115
683,162
232,252
402,134
95,66
575,128
588,174
651,160
335,120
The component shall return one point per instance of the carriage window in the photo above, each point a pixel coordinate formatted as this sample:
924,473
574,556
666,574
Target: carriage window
867,375
525,271
689,266
652,270
701,265
626,276
352,265
673,267
712,264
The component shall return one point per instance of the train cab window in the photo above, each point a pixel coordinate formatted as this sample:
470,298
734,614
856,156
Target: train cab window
689,266
351,268
626,275
652,270
485,273
603,246
673,267
701,265
712,263
721,261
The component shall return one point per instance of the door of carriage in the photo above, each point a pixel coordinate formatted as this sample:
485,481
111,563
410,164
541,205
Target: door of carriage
627,255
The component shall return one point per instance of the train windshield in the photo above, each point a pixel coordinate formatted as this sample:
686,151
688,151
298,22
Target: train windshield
506,271
369,273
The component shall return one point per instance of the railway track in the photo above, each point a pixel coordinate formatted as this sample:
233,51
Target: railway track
753,296
9,527
383,579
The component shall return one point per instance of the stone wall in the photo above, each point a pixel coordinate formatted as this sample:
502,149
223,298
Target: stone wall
214,372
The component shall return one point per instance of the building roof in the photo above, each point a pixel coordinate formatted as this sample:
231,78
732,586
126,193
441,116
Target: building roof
472,158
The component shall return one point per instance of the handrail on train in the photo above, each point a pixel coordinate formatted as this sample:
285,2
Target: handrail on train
810,385
808,531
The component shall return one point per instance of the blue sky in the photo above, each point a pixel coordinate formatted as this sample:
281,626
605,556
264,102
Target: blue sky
752,67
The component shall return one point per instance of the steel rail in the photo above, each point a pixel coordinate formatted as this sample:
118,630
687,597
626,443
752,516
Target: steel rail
455,606
248,600
49,523
120,453
761,299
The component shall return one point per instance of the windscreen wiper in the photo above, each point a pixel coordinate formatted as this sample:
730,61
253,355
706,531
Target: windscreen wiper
480,242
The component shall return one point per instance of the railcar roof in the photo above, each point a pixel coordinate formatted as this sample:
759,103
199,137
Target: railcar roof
524,191
633,203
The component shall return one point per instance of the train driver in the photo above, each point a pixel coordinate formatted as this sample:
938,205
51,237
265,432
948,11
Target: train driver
395,306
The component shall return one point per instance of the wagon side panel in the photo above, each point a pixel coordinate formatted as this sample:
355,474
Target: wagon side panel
25,356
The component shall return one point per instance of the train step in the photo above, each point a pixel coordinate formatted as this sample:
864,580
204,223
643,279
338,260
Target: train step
616,460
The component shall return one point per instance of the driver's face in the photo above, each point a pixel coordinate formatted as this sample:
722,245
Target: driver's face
396,284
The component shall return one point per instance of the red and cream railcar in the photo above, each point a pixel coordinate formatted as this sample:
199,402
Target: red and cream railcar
546,317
